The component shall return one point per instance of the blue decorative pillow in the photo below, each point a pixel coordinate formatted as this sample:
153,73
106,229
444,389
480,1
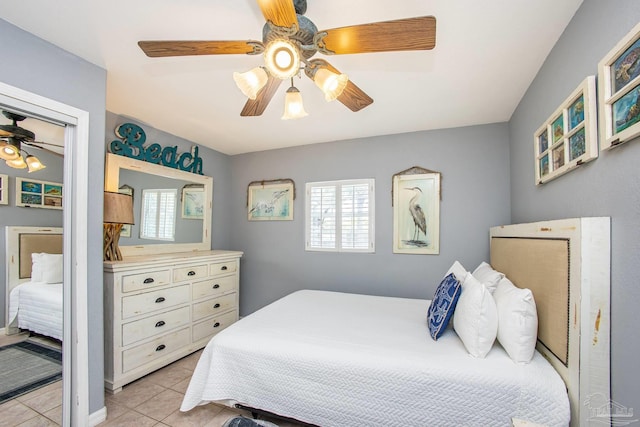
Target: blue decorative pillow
443,304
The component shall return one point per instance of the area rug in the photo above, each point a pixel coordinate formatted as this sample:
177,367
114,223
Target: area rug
27,366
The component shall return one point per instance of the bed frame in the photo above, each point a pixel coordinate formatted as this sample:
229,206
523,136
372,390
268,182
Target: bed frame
21,242
566,264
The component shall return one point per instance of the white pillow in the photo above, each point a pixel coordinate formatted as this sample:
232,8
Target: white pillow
476,317
487,275
458,270
517,321
46,268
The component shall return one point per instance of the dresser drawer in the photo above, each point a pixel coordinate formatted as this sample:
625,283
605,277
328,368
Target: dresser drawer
213,326
154,325
212,287
156,349
155,300
134,282
193,272
213,306
222,268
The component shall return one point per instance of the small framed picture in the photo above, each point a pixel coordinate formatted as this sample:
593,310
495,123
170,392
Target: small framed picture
619,91
193,202
4,192
126,228
270,200
569,137
416,213
31,193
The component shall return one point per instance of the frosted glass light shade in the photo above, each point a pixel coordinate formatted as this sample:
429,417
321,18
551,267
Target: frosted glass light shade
16,163
330,83
293,108
34,163
251,82
8,151
282,59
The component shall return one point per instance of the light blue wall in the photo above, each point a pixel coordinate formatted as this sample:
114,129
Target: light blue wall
42,68
608,186
475,196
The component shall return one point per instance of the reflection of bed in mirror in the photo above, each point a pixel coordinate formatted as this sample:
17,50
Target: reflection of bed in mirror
34,299
191,235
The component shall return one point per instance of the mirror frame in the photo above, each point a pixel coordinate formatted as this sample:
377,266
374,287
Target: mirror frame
114,163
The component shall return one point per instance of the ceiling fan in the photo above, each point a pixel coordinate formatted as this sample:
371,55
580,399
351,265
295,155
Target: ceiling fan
12,139
289,42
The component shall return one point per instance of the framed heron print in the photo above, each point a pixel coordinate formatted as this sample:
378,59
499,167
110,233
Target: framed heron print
270,200
416,212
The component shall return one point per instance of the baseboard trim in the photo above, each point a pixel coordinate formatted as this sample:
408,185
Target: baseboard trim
97,417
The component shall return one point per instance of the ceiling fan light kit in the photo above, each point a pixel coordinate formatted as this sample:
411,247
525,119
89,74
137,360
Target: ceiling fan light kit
11,147
293,107
289,40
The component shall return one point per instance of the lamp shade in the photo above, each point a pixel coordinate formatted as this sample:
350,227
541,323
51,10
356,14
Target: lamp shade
118,208
293,107
330,83
9,150
251,82
34,163
16,163
282,58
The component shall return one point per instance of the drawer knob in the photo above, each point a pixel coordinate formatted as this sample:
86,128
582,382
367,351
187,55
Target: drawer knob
148,280
217,305
224,268
161,347
191,273
215,325
160,323
216,286
159,300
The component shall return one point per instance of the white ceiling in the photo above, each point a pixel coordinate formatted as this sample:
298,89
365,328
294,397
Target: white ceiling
486,55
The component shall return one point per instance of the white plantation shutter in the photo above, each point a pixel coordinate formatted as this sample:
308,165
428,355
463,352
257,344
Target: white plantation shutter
158,214
339,216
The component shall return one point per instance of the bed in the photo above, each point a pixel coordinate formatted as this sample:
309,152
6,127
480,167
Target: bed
34,281
336,359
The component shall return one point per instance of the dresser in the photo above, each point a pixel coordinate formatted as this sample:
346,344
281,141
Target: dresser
159,308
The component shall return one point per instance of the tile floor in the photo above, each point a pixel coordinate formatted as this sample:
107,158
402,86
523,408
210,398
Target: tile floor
153,400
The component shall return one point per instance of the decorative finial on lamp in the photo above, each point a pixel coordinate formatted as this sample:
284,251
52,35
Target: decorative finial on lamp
118,210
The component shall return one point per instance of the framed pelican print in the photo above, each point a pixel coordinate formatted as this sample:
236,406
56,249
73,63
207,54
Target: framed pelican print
416,212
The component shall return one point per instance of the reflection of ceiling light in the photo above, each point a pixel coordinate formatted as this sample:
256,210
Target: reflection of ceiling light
330,83
251,82
9,150
34,163
293,108
16,163
282,59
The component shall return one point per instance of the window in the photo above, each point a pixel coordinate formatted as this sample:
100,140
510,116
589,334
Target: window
339,216
158,214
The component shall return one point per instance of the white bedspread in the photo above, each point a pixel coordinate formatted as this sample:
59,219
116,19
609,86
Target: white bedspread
335,359
37,306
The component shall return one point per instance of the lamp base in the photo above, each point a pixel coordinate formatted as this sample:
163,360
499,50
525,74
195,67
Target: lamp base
111,237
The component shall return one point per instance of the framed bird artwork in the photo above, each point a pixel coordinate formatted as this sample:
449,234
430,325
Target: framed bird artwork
416,212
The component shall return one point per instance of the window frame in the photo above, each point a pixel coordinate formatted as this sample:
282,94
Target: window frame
143,217
338,184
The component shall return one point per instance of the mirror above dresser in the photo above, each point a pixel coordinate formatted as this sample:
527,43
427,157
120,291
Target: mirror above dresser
190,234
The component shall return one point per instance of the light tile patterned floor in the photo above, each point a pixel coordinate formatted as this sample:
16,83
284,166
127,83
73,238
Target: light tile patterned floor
153,400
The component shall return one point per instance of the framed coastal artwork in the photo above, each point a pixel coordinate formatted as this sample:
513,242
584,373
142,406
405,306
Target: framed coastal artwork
416,212
4,192
619,91
270,200
569,137
32,193
193,202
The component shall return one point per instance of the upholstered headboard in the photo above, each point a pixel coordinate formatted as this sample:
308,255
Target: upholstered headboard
21,242
566,264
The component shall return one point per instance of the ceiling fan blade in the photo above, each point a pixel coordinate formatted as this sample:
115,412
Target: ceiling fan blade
58,151
155,49
255,107
402,34
280,12
352,96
